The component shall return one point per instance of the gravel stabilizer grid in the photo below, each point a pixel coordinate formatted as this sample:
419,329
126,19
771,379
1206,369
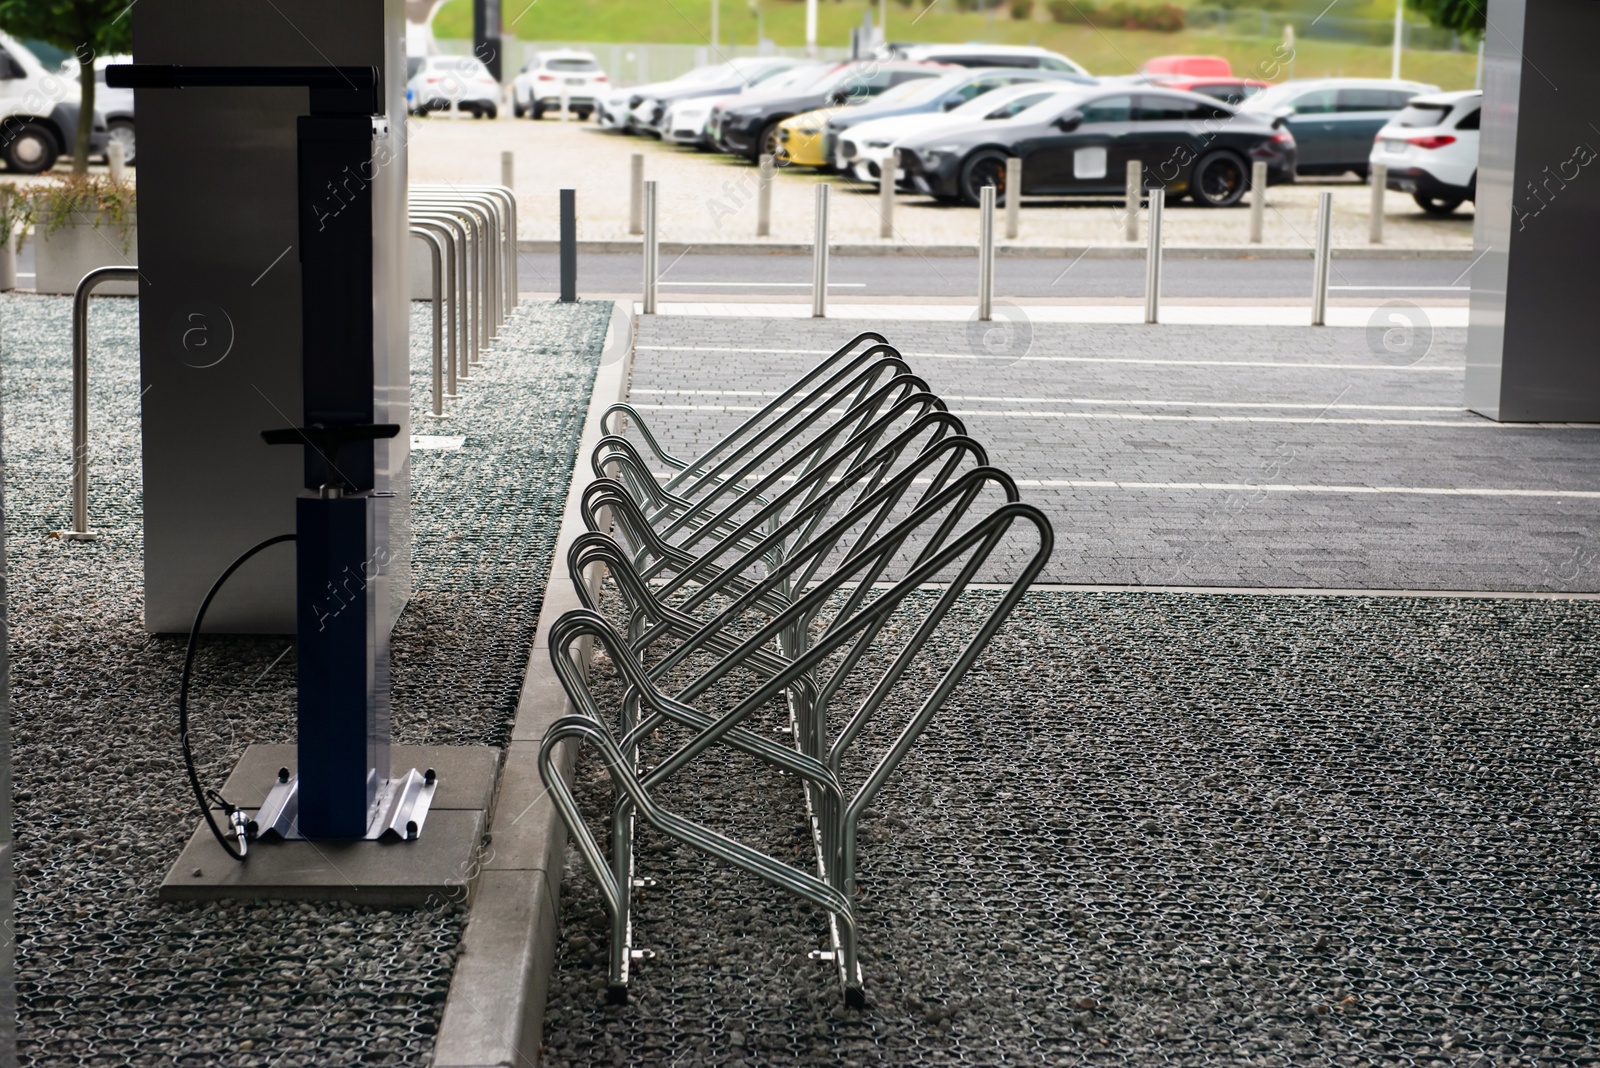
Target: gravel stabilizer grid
1161,828
106,974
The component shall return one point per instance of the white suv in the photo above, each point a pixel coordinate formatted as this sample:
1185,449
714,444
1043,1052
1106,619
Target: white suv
1431,150
550,76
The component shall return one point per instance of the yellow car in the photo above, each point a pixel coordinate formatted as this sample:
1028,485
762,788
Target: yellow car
800,141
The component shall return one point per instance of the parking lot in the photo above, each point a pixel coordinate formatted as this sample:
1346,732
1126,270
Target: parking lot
708,198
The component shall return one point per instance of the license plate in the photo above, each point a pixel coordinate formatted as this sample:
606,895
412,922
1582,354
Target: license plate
575,81
1394,146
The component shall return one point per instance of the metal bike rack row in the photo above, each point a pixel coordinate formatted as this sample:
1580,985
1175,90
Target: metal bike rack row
471,231
804,569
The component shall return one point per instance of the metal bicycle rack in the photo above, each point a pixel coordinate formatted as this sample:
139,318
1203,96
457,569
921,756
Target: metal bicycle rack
808,560
474,228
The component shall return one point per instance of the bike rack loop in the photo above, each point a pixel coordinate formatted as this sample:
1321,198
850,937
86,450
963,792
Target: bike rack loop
487,212
476,221
440,234
80,394
464,227
509,203
436,261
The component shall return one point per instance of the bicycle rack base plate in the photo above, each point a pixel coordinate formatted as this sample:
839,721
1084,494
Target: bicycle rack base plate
434,866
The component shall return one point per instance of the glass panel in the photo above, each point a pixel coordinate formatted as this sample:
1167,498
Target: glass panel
1422,115
1319,102
1110,109
1470,120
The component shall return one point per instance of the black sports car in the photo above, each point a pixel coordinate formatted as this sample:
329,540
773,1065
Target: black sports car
1081,143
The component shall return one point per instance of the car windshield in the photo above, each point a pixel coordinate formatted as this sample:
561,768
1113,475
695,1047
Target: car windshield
1415,115
572,65
797,79
1015,106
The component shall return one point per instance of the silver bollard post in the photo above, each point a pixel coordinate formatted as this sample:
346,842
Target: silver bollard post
986,253
1130,218
652,251
1380,182
1152,258
508,169
117,162
1258,200
636,195
886,180
819,257
1013,197
563,103
1319,292
764,196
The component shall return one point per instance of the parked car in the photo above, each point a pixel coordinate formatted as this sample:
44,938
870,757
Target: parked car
39,112
748,125
620,109
115,105
985,55
1187,67
941,95
1431,150
734,76
548,76
1229,90
1334,119
441,81
1080,142
864,146
688,119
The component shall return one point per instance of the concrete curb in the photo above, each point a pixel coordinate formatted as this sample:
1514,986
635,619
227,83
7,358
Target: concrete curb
1093,252
494,1012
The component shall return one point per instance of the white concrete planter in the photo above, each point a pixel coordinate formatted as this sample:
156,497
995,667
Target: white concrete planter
64,257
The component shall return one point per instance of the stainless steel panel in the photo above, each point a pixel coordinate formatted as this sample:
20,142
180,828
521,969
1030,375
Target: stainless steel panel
220,300
1530,353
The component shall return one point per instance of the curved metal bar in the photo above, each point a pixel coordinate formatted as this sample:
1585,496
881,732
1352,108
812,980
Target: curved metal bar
80,393
463,232
490,265
445,235
436,256
505,194
472,224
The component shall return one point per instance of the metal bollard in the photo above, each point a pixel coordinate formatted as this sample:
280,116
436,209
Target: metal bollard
1152,258
508,169
80,394
764,197
986,253
563,104
636,195
1380,182
569,246
886,180
1013,197
819,257
1319,291
1130,217
1258,200
652,251
117,162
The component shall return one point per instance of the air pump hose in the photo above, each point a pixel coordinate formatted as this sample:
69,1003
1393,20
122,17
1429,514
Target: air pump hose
234,813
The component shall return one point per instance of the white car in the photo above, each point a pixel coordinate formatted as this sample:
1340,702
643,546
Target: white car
863,148
550,75
1431,150
442,81
39,112
115,104
986,55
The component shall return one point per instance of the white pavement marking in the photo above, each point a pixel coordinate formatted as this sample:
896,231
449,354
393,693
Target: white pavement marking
1152,417
1122,314
1245,487
1129,403
437,441
1287,364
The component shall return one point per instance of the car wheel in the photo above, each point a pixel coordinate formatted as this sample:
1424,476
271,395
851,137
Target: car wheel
30,150
768,144
518,110
536,112
490,112
983,168
1363,173
1220,180
1437,205
583,113
122,130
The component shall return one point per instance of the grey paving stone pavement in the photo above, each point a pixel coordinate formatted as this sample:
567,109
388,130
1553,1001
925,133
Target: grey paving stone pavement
1149,412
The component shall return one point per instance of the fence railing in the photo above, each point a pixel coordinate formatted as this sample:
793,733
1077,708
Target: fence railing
1241,22
635,64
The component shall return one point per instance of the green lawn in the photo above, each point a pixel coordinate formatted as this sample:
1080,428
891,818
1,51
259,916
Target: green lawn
1101,51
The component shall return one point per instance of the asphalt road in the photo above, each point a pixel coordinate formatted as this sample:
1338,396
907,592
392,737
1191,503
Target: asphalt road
741,277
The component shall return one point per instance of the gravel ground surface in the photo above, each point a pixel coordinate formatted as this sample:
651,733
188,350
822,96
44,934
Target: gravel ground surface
1157,828
107,975
707,197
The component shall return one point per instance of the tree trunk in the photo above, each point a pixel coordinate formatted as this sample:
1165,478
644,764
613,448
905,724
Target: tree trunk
80,150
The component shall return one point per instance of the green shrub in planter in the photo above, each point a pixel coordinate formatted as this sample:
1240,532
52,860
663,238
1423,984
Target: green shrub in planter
73,199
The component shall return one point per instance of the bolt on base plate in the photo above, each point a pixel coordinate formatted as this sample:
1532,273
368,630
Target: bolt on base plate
398,811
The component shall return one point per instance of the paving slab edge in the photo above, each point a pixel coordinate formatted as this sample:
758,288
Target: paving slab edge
494,1011
1093,252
